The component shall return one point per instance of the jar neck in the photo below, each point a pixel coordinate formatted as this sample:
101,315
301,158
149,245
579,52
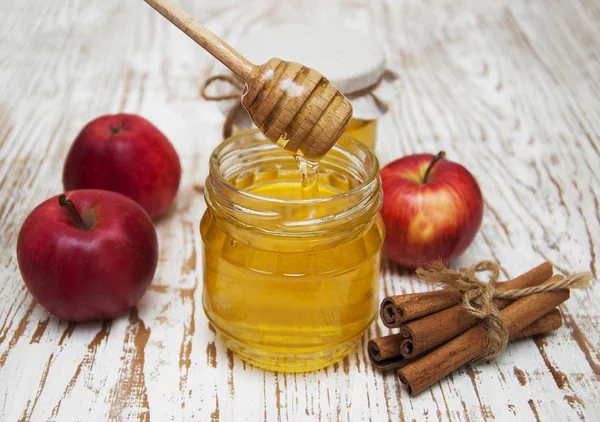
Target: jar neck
349,160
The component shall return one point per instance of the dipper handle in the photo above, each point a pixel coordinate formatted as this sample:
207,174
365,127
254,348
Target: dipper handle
294,106
206,39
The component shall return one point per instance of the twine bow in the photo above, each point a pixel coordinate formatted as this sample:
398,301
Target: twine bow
477,295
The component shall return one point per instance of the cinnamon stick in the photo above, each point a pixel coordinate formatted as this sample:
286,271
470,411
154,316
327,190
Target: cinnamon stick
397,310
549,322
424,334
423,372
393,363
385,347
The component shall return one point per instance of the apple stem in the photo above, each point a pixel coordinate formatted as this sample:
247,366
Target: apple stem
65,202
437,158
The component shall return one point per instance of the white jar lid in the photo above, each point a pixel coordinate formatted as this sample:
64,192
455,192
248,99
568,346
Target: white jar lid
352,60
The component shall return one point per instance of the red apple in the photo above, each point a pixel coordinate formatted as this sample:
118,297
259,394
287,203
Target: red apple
432,209
87,254
127,154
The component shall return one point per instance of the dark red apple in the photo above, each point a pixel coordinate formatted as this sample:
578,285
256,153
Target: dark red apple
432,209
87,254
127,154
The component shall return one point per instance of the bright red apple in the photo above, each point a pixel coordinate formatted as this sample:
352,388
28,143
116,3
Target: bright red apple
127,154
87,254
432,209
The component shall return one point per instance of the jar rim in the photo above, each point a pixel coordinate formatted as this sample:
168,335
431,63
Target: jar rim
372,175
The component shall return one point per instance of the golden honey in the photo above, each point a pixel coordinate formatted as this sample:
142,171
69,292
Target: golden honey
363,130
290,283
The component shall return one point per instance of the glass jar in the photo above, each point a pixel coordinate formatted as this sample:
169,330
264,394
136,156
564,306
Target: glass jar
363,130
291,284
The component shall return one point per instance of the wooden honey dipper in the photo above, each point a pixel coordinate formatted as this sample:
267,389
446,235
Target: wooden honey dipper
294,106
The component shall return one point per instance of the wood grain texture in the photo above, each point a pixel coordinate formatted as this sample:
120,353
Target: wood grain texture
297,108
206,39
509,89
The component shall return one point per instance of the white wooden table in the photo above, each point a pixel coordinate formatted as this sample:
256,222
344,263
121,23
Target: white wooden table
510,89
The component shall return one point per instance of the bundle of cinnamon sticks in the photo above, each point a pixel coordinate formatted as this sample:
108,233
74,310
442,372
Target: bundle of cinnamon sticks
437,335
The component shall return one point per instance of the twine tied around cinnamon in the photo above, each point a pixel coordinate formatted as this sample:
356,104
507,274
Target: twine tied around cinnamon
478,295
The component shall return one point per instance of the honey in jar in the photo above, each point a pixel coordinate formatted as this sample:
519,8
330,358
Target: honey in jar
291,283
363,130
